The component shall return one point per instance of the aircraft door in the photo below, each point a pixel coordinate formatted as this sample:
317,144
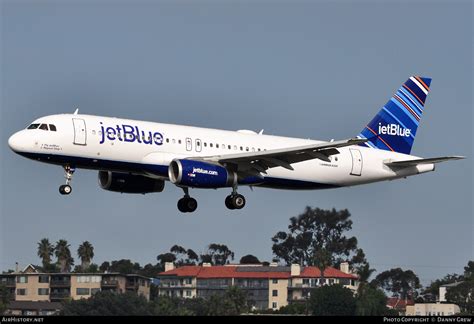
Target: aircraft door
356,162
80,133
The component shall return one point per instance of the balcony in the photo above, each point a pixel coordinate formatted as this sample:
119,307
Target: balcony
109,283
8,283
60,294
60,282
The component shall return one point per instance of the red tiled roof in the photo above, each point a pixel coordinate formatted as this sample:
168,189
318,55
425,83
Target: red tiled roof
314,272
231,272
397,303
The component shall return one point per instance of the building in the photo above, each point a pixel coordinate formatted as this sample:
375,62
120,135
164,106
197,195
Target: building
267,287
33,286
432,309
444,289
33,308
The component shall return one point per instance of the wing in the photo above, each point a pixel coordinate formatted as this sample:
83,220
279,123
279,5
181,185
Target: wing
408,163
256,162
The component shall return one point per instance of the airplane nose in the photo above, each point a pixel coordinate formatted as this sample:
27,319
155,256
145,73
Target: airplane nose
15,142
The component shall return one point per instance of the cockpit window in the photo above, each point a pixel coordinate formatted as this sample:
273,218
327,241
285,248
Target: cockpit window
44,127
33,126
52,127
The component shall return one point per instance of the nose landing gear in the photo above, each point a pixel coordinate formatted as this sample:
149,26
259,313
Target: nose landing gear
68,172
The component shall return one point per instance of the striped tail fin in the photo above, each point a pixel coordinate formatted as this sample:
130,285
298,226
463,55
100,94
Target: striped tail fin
394,127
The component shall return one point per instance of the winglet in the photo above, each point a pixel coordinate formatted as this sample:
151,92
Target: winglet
76,111
261,132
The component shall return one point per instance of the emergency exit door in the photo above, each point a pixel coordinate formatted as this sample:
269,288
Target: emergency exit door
356,162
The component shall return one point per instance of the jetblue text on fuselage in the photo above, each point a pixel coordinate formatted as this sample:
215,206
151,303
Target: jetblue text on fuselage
394,129
128,133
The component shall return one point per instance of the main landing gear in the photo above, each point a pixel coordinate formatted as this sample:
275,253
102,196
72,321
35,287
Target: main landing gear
68,172
187,204
235,200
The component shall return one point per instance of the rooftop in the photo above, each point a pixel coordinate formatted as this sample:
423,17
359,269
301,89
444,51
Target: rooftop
227,271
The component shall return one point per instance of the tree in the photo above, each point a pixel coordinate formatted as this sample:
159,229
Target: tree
322,259
108,304
232,302
166,257
217,254
463,294
184,256
249,259
63,253
371,302
85,253
45,252
364,272
124,266
4,298
314,230
397,281
332,300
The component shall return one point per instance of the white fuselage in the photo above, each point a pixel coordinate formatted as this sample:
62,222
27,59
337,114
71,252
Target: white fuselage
124,145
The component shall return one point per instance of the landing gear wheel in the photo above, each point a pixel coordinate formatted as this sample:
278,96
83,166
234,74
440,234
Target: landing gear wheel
187,205
238,201
228,202
65,189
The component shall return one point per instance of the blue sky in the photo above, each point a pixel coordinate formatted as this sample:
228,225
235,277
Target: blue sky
310,69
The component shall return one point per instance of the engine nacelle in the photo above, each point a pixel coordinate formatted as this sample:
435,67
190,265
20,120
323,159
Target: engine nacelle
129,183
200,174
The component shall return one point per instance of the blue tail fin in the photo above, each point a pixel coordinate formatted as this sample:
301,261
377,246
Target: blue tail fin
394,127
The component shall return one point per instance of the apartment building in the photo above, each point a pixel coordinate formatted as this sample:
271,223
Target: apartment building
31,285
266,286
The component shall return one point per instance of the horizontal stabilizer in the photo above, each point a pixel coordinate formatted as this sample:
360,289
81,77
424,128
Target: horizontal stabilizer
408,163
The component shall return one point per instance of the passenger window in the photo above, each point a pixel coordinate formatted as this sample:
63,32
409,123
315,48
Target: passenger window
253,149
247,149
167,140
217,145
205,144
259,150
174,141
229,147
223,146
93,132
235,147
33,126
179,141
44,127
210,144
241,148
52,127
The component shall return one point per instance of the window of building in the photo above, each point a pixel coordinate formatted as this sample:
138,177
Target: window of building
188,293
53,128
275,281
94,290
22,279
43,291
22,292
83,291
274,305
189,281
305,281
274,293
43,279
352,282
331,281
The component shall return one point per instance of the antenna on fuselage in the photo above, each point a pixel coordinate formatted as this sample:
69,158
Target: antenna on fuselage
76,111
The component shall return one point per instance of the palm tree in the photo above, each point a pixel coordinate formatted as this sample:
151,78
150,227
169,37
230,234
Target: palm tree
364,272
85,253
45,252
322,259
63,253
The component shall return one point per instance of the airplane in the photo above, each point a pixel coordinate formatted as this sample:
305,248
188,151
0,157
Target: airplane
138,157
